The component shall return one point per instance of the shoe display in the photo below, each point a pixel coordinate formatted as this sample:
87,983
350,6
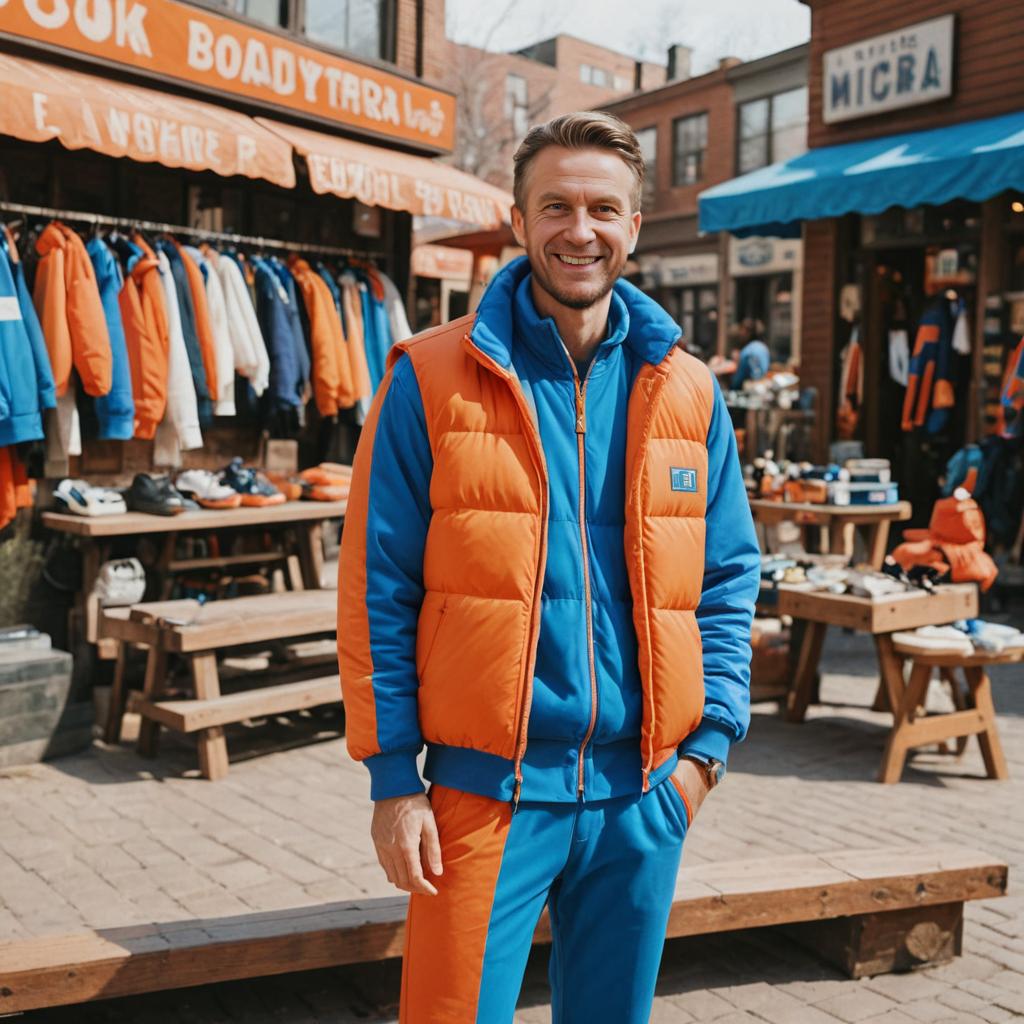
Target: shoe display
256,490
207,489
288,486
330,481
80,497
156,496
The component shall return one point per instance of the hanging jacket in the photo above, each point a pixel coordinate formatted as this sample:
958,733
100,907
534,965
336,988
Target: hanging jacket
851,387
1011,397
189,329
204,330
551,583
15,489
280,326
223,352
352,305
930,395
182,416
26,380
247,341
400,329
143,308
376,326
295,316
331,373
328,278
116,409
67,300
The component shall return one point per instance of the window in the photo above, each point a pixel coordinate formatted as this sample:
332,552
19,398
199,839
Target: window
585,70
648,139
355,26
516,104
772,129
267,12
623,84
690,141
593,76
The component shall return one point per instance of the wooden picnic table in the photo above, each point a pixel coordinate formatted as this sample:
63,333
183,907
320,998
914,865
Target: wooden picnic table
300,551
839,522
881,618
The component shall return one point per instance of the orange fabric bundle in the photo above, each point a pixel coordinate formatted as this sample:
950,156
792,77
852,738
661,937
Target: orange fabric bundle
15,489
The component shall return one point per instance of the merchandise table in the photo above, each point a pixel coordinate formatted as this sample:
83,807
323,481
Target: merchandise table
840,520
297,524
880,618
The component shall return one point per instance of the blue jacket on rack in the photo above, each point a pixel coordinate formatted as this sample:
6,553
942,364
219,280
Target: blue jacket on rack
116,409
26,380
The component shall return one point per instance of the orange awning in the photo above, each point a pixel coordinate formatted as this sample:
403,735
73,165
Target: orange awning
43,102
396,181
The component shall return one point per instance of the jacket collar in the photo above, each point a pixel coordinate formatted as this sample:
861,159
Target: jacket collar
650,335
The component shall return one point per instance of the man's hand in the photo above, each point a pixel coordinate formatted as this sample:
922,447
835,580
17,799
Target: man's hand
405,835
694,781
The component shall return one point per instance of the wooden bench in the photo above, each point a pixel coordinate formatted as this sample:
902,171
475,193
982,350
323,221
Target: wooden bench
974,714
869,911
196,632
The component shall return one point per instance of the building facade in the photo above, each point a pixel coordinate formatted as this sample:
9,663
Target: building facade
697,132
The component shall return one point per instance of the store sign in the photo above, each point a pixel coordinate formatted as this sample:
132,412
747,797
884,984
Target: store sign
899,69
755,255
678,271
443,262
176,40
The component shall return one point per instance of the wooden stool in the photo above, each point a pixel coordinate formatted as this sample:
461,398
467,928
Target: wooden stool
975,713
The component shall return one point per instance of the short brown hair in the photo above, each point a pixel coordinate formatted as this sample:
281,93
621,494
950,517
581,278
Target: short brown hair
584,129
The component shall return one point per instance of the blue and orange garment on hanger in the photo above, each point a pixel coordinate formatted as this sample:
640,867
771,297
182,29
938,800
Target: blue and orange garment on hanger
930,394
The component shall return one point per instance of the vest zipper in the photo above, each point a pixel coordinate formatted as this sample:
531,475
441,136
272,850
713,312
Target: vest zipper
581,436
538,455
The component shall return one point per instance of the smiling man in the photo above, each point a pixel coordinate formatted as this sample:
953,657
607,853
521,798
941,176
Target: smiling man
547,578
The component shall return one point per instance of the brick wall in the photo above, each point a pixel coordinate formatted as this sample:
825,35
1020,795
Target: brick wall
435,43
988,78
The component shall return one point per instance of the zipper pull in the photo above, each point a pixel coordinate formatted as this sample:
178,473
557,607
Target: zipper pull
581,413
515,795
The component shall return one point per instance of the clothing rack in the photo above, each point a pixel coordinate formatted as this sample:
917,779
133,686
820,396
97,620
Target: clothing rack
258,241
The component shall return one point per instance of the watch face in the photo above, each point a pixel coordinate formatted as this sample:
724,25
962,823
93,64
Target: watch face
716,771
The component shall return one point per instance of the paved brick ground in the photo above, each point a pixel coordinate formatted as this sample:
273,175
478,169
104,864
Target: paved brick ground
107,839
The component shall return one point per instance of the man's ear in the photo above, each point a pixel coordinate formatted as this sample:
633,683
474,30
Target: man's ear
518,227
634,231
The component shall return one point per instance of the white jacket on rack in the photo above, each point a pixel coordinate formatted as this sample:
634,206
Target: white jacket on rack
181,421
251,359
223,350
400,329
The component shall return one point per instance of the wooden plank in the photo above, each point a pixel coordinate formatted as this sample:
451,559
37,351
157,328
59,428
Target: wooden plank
138,523
192,715
811,512
61,970
226,561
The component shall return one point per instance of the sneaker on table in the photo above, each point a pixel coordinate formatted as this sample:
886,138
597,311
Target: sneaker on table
80,497
156,496
256,490
207,489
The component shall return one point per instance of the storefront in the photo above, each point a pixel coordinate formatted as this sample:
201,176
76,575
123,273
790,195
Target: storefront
442,278
766,280
688,287
910,209
177,122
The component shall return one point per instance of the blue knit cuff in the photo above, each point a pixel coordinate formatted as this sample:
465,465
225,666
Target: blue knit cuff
709,740
394,775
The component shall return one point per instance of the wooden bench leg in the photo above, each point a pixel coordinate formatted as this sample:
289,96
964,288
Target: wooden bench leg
991,747
154,685
118,697
878,542
803,685
906,711
213,747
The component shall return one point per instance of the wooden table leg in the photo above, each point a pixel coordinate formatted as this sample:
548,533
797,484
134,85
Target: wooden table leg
94,553
154,685
878,543
840,537
213,747
991,747
802,688
118,697
311,553
904,714
890,670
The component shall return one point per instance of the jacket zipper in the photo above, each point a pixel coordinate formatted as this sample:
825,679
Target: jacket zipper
541,557
581,436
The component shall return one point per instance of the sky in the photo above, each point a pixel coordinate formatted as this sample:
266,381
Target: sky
640,28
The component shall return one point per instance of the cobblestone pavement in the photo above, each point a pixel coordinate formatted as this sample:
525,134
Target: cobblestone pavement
106,839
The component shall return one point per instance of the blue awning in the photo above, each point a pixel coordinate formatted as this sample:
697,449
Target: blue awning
973,160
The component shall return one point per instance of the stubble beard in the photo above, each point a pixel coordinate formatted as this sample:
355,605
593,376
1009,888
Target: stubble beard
579,301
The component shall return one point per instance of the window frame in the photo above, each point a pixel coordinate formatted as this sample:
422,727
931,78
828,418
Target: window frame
768,98
676,122
650,186
513,104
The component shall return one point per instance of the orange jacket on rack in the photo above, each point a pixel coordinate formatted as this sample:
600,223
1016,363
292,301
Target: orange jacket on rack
67,299
331,369
146,334
204,329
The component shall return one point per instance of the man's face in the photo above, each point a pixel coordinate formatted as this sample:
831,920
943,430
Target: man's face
578,227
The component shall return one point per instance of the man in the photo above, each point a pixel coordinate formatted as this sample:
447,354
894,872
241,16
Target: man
547,524
753,359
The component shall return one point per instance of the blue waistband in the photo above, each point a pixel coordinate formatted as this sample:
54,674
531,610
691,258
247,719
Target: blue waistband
550,771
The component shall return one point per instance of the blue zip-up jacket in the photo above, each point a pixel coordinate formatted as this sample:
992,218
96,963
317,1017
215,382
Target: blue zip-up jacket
279,321
638,331
26,379
116,409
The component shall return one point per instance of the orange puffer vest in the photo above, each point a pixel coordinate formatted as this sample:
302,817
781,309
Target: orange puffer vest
486,546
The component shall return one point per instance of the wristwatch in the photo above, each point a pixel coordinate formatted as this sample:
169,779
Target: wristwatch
714,770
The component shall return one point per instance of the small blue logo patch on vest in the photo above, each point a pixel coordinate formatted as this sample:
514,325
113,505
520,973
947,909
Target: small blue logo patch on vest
684,480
